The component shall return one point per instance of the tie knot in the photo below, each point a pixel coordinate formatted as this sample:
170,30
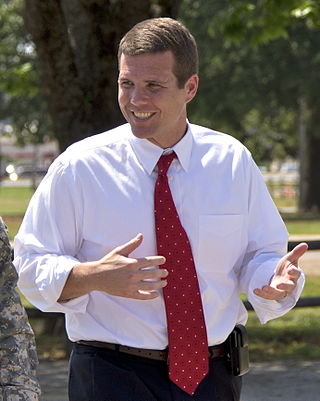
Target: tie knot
164,163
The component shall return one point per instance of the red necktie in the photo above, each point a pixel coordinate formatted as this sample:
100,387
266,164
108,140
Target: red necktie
187,336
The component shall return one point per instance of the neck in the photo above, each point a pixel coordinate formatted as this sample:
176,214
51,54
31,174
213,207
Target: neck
168,144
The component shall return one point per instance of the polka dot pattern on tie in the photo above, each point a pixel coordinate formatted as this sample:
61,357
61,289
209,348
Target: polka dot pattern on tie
187,336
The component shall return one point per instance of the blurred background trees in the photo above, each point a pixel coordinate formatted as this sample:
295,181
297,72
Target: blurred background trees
76,43
259,72
22,103
260,64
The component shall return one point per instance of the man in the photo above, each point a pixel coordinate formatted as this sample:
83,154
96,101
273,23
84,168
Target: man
18,358
136,271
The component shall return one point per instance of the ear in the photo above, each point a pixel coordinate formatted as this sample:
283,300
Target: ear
191,87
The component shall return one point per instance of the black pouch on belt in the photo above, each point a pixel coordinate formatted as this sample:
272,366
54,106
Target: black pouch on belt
238,350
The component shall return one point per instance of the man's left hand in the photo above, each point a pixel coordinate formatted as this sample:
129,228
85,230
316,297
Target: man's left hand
287,273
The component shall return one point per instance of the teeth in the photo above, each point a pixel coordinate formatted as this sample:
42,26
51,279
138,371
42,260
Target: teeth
142,116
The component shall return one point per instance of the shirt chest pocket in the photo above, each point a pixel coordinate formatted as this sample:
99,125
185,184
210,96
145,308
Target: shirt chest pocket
221,241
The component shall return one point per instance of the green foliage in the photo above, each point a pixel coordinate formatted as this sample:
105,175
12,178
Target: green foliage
258,59
265,20
270,136
21,102
252,91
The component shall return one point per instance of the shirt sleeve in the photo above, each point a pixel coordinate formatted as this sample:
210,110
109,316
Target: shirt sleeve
267,243
49,240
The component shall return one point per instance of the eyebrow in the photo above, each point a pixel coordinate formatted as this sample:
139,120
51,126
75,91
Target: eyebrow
159,81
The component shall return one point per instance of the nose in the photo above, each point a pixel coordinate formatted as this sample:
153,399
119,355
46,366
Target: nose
139,96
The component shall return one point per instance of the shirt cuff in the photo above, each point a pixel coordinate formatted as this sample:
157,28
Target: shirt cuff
50,288
269,309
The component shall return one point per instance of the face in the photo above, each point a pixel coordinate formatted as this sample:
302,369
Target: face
150,99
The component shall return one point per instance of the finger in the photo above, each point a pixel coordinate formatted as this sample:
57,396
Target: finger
271,293
153,274
130,246
140,294
149,261
148,290
294,271
152,285
288,287
271,296
294,274
297,252
145,295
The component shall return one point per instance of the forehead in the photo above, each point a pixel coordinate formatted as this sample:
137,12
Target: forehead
148,66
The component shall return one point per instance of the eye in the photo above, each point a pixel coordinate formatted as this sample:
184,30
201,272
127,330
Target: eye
154,85
126,84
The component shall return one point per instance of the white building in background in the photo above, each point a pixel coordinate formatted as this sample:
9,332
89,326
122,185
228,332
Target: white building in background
37,156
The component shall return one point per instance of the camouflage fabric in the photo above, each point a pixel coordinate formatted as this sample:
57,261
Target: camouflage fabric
18,358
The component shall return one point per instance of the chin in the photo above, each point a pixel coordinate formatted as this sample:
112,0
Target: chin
141,133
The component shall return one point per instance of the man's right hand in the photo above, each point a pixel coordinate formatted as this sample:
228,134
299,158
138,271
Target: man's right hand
118,274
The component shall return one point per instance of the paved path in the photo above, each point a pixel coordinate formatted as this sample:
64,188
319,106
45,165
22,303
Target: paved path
272,381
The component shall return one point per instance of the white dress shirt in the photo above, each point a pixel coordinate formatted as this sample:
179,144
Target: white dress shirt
98,194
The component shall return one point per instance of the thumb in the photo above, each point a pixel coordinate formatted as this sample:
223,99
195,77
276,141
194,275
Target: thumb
297,252
129,246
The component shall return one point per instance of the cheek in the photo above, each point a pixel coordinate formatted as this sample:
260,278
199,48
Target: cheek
173,106
122,100
122,95
119,97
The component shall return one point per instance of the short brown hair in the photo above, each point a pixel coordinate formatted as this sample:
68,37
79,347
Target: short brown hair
160,35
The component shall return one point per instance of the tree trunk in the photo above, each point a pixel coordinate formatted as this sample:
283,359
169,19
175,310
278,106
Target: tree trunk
76,43
309,141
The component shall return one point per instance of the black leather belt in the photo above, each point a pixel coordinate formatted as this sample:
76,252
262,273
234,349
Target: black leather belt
216,351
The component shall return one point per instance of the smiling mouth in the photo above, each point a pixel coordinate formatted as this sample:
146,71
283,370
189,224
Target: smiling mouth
142,116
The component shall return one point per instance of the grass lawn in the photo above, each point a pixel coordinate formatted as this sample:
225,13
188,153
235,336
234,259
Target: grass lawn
285,202
14,201
294,336
306,227
312,286
13,204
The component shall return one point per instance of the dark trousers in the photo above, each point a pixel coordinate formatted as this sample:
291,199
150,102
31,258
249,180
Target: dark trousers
98,374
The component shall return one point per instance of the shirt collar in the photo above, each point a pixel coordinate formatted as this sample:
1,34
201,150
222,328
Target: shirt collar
148,153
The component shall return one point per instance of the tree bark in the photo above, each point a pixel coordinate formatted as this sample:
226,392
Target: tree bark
76,43
309,145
